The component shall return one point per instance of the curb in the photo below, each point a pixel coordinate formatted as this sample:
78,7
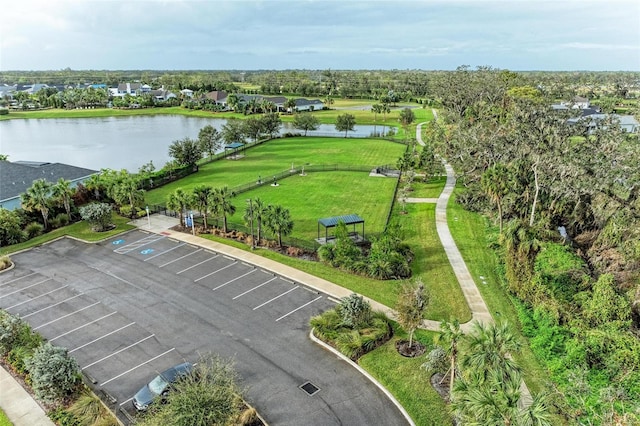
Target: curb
364,373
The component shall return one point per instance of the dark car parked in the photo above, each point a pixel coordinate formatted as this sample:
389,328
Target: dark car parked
160,385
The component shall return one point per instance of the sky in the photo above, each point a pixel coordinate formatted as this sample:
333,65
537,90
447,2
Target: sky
559,35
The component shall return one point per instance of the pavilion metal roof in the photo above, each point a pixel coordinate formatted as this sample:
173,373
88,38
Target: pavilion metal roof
348,219
234,145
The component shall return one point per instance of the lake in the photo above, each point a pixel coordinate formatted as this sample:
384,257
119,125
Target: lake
115,142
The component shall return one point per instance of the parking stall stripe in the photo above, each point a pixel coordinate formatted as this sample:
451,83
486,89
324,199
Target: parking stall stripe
164,252
18,279
197,264
255,288
216,271
117,352
235,279
37,297
102,337
29,286
298,308
52,306
137,366
277,297
65,316
179,258
82,326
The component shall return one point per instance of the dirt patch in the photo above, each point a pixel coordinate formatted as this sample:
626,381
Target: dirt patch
403,348
440,383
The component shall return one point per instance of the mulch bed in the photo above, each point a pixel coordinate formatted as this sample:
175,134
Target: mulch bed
403,348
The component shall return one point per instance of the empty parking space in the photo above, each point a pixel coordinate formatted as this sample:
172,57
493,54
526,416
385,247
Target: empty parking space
137,304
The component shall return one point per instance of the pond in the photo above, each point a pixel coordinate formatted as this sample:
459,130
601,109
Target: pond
115,142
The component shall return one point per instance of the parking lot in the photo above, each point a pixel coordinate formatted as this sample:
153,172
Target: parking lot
139,303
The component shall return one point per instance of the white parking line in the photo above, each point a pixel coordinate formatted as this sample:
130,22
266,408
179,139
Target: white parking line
256,287
179,258
214,272
37,297
139,243
298,308
333,300
102,337
125,401
18,279
65,316
277,297
117,352
29,286
164,252
82,326
197,264
235,279
52,306
137,366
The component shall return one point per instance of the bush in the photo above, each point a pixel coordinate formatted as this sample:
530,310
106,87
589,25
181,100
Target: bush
62,417
354,310
4,111
98,215
33,230
54,374
62,219
89,410
5,262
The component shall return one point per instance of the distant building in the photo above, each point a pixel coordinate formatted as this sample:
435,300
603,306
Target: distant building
17,176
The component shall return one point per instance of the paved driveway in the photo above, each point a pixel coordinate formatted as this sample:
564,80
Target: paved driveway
136,304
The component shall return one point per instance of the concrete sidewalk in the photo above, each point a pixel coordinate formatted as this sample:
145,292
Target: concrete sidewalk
18,405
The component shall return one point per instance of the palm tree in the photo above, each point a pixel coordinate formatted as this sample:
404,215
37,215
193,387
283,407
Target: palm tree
290,105
279,222
328,101
451,336
232,101
62,191
223,206
487,349
202,200
180,201
496,183
128,191
37,197
256,212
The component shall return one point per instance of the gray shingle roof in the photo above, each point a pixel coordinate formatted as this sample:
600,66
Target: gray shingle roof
17,176
348,219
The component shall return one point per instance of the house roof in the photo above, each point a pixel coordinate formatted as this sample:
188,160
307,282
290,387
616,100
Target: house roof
216,95
305,102
17,176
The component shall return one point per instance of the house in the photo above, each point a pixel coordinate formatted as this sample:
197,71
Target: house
127,89
303,104
17,176
217,96
580,103
187,93
627,123
162,95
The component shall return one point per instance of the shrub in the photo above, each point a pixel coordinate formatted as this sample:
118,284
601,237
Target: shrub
98,215
88,409
62,417
62,219
5,262
354,310
4,111
33,230
437,361
11,227
54,374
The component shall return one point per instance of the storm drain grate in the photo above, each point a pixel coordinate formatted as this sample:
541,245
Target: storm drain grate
310,388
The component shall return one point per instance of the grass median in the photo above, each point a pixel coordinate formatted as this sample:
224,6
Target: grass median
81,230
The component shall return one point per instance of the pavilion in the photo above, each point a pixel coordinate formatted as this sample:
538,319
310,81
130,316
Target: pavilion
332,222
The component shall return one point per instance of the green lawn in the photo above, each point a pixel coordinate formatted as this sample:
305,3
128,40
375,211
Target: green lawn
80,230
325,194
277,155
431,264
473,234
408,383
4,421
430,189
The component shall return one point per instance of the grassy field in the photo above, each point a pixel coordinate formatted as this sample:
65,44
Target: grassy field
80,230
325,194
4,421
431,189
431,264
277,155
408,383
473,234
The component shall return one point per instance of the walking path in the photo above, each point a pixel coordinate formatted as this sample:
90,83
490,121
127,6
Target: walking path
23,410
